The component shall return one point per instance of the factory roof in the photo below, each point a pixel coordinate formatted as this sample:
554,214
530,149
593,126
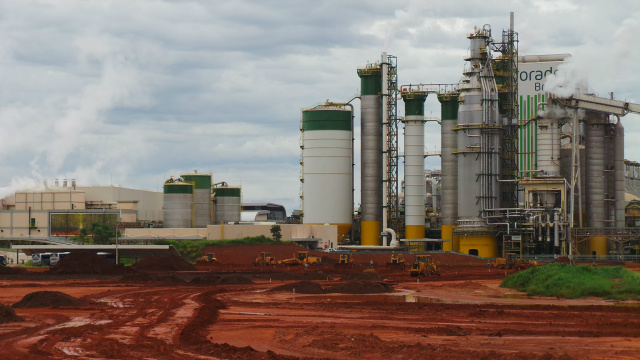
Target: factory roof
126,251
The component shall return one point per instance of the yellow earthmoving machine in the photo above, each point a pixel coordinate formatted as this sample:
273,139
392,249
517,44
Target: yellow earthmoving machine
300,258
397,261
511,261
423,265
264,259
208,259
345,261
304,257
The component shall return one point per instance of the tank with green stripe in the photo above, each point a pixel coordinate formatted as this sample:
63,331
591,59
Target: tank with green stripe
178,188
326,118
200,181
449,105
227,191
414,103
370,81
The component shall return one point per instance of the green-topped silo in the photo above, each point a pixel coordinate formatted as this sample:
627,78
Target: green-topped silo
371,166
227,204
178,204
449,163
327,166
203,211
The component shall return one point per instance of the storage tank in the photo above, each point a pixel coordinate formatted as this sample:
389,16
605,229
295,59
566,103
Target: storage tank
203,212
414,179
327,167
449,177
227,202
371,154
178,203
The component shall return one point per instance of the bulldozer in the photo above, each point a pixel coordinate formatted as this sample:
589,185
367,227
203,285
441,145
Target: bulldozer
264,259
301,257
511,261
397,261
345,261
208,259
423,265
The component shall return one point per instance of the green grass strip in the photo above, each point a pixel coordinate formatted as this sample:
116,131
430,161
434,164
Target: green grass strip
572,282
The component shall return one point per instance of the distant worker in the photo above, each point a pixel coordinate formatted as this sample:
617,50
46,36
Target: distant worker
371,263
306,265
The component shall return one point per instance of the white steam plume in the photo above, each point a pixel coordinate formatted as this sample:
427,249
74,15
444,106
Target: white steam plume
603,63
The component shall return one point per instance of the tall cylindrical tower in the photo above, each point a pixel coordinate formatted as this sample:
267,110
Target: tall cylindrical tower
619,174
478,128
595,187
414,180
371,154
227,202
449,161
202,198
327,163
178,204
478,134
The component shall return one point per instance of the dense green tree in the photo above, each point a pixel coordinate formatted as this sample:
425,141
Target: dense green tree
103,234
83,237
275,232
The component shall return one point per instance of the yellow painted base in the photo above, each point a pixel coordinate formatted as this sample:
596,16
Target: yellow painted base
414,231
447,233
370,233
486,246
597,244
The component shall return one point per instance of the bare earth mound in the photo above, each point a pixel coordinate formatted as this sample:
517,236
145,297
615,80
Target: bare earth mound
311,275
210,279
362,276
86,263
40,299
361,287
7,315
301,287
168,263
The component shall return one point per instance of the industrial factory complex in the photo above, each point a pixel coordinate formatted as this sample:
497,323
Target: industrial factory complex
523,171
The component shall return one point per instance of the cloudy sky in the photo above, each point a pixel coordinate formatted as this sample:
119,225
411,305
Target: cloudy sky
132,92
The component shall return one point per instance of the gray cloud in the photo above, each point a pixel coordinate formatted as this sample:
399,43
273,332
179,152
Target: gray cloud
131,93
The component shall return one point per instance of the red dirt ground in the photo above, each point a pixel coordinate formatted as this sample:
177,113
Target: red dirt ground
228,311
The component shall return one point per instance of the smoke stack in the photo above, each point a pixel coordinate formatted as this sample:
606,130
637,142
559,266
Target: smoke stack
511,21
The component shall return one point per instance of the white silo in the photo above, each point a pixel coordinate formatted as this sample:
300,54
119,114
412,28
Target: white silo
327,166
178,204
203,211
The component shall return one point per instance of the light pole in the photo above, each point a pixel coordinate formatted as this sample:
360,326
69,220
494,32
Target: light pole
117,258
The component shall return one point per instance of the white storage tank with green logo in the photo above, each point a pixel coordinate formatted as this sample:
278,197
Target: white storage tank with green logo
227,202
202,198
178,204
327,167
